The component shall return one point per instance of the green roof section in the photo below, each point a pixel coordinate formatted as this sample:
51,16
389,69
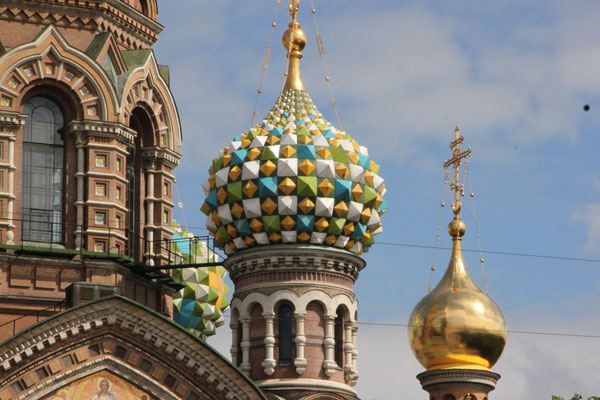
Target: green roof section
165,73
97,44
135,58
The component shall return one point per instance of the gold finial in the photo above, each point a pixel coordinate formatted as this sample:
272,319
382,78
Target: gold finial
294,41
457,227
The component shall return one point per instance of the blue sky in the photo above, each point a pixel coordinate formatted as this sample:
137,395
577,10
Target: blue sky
513,75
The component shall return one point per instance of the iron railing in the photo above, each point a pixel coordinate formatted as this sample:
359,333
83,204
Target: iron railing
160,255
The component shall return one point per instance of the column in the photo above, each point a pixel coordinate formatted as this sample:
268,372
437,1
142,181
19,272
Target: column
300,340
354,347
10,124
81,143
10,235
245,365
269,363
150,169
329,343
234,342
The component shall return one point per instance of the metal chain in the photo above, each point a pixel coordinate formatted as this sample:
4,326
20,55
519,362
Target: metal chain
472,195
265,63
437,234
321,51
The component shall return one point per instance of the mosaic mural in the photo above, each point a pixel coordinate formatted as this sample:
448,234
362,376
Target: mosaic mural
100,386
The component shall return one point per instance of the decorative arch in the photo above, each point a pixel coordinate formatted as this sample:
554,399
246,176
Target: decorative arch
120,336
148,7
300,302
145,86
50,59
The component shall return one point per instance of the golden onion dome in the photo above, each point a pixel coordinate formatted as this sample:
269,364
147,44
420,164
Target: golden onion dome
457,325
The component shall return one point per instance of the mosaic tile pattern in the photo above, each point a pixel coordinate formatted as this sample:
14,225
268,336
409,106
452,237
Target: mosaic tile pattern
200,305
294,178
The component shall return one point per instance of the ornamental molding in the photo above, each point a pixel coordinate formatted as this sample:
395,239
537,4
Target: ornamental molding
12,120
300,301
458,377
100,364
116,13
128,319
103,129
271,258
161,155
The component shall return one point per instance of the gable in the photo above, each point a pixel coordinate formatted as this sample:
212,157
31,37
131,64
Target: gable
115,336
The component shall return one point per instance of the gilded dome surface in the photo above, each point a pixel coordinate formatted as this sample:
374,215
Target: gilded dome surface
294,178
457,325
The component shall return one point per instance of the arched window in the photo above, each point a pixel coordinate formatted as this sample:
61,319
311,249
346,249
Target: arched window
43,170
339,337
285,334
140,5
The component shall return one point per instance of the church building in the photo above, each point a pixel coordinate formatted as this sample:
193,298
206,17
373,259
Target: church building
91,305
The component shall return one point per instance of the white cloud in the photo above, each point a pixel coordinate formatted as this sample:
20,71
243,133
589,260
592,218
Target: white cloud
589,215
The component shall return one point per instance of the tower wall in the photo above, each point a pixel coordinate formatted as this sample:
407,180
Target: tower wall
317,285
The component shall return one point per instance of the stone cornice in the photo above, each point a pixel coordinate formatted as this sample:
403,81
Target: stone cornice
161,155
282,258
12,120
115,11
458,377
103,128
129,320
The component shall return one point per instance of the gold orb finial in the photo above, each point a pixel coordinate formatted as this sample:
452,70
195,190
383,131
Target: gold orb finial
457,325
294,40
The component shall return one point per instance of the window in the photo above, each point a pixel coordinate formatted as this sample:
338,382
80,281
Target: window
166,189
119,193
119,163
1,150
165,217
43,170
118,221
285,334
339,338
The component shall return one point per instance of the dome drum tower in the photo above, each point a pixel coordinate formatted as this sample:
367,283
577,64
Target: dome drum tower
294,202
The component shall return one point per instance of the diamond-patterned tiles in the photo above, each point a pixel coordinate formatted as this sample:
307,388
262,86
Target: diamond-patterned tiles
294,178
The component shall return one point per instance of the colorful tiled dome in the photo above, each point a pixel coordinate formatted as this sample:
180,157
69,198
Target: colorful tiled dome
200,305
294,178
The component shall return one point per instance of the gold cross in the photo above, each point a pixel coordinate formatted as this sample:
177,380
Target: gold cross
456,160
294,5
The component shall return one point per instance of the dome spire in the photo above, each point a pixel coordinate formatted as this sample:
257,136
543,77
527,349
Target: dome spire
294,41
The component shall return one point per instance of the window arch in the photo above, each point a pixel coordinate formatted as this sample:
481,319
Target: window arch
43,172
140,5
285,334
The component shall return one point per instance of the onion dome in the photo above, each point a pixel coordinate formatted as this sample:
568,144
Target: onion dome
294,178
200,305
457,325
